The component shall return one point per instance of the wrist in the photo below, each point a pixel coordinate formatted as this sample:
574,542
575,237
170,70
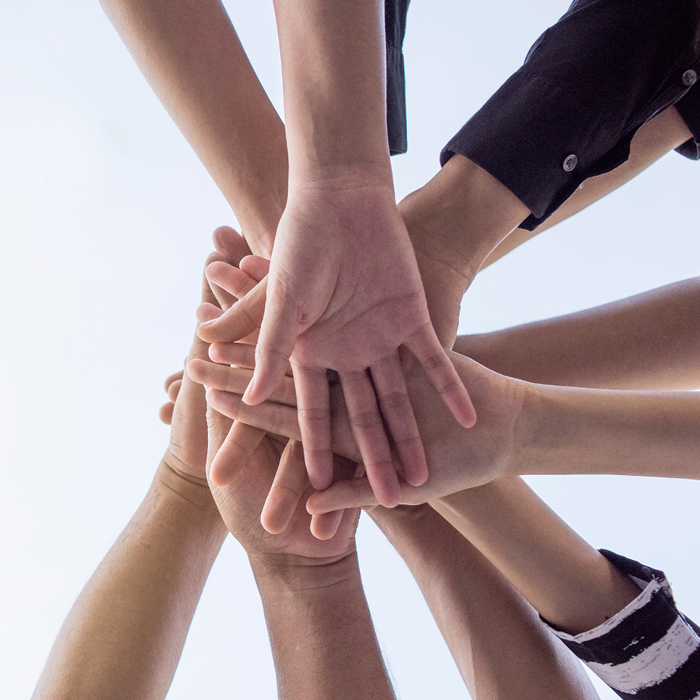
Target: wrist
187,492
537,432
336,178
294,574
462,214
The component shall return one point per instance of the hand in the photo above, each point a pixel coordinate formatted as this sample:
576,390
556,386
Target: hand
457,458
344,293
241,502
186,408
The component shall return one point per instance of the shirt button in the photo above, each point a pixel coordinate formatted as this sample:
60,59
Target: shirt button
689,78
570,162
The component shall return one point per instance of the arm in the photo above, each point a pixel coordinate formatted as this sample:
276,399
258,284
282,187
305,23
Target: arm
321,632
125,633
523,428
497,640
648,341
615,614
191,56
653,140
567,581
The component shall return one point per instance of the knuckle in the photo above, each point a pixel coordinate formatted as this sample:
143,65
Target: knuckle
366,420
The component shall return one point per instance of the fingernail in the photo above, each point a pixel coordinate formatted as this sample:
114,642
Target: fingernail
249,390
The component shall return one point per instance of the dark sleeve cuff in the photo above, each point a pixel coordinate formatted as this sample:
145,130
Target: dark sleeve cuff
689,108
648,650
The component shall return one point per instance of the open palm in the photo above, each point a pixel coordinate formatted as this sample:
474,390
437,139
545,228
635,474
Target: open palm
344,293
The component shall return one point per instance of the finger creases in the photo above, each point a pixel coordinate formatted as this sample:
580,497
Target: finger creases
392,394
368,430
432,357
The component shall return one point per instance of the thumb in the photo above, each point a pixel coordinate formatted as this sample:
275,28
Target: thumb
240,320
278,334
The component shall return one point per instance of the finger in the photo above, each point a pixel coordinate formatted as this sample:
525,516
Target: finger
234,453
242,319
208,312
231,279
174,390
390,387
239,354
223,298
314,417
270,417
349,493
370,436
255,266
278,334
287,489
235,380
173,377
325,526
230,245
427,350
166,413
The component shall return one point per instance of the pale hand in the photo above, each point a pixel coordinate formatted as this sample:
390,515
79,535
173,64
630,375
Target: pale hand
457,458
344,293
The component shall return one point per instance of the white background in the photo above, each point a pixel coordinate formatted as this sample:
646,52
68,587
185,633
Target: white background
105,220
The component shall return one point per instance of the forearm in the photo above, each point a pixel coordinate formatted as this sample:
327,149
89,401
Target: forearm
653,140
191,56
124,635
648,341
592,431
565,579
496,639
321,632
454,222
333,66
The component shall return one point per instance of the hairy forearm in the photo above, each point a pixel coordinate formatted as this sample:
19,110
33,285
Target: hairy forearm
653,140
648,341
594,431
497,641
191,56
321,632
124,635
561,575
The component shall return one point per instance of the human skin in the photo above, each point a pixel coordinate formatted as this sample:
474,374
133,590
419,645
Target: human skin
124,634
524,428
330,304
496,638
191,56
648,341
567,581
132,618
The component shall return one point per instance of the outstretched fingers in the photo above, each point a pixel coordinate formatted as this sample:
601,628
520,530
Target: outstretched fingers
278,335
427,350
231,279
287,489
392,394
314,417
369,433
235,380
270,417
348,493
238,354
